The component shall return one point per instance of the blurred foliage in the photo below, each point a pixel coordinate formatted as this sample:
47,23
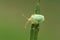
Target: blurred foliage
12,22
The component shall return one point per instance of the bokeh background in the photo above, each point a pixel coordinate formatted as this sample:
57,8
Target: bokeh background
12,22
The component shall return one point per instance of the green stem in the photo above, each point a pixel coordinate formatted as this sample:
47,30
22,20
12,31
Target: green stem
34,31
35,27
37,7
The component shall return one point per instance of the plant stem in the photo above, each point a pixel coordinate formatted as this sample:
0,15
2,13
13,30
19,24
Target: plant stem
34,31
35,27
37,7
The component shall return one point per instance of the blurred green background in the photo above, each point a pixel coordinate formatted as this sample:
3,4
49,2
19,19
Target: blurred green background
12,22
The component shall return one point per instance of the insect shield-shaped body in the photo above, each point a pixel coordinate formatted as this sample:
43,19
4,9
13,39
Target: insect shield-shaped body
36,18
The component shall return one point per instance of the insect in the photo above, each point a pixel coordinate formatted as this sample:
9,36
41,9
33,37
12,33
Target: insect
34,19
